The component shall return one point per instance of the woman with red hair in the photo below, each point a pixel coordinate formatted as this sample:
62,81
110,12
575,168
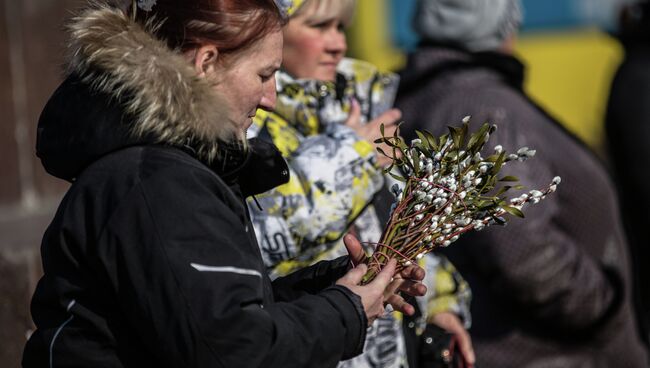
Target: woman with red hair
151,259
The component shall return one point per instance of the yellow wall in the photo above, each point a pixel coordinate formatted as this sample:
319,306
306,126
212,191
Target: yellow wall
570,74
369,36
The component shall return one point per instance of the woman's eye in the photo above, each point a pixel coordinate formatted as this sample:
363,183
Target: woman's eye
266,78
328,24
320,25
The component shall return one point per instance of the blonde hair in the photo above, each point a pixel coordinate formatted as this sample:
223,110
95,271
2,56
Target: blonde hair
321,10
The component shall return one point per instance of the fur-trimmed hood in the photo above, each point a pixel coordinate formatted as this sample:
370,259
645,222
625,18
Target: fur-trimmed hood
124,88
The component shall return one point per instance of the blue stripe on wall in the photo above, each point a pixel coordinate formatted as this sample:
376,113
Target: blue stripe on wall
549,13
538,14
401,12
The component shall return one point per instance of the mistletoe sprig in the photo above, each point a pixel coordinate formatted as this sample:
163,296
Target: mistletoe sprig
449,189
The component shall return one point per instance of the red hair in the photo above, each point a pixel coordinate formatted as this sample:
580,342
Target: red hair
231,25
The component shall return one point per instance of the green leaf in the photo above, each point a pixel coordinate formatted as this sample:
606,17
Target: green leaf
492,181
485,205
397,177
416,162
381,129
423,138
509,178
401,145
387,140
463,133
443,140
389,168
433,141
451,156
477,140
502,190
499,162
513,211
382,152
396,132
456,136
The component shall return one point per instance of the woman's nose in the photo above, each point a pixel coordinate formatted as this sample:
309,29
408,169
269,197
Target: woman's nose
336,41
269,95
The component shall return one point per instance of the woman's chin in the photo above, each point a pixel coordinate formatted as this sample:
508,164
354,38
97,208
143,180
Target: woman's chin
328,76
245,125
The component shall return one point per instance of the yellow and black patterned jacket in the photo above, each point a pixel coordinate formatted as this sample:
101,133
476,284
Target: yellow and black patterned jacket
333,178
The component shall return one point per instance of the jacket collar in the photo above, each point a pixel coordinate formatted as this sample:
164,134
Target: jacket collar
437,59
312,106
254,169
262,169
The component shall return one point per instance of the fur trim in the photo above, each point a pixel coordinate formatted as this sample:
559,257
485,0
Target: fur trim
119,57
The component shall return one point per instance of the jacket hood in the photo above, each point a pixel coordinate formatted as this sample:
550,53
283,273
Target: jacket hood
126,87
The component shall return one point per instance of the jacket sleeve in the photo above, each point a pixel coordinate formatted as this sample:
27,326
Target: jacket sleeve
310,280
188,278
332,179
537,262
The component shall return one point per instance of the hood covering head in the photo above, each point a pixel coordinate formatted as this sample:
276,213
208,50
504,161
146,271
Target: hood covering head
125,87
475,25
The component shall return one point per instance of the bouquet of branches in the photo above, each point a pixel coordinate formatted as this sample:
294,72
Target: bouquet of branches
448,190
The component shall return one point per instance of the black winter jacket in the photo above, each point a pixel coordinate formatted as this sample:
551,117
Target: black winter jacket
151,259
628,131
551,290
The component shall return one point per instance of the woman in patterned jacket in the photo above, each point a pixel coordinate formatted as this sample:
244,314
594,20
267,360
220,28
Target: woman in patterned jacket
328,113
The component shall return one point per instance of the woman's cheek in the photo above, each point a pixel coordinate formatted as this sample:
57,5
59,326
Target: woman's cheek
311,42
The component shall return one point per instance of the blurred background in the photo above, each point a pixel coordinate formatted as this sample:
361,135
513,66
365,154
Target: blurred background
570,46
567,45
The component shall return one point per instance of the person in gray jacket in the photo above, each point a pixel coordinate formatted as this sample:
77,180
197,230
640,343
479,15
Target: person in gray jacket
553,290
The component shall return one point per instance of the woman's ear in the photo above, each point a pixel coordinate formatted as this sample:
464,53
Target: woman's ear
205,60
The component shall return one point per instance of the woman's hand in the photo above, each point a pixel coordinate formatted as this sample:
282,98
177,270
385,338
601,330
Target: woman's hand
372,294
408,280
451,323
370,131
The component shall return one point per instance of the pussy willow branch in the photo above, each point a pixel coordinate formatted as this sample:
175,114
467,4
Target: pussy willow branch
445,193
